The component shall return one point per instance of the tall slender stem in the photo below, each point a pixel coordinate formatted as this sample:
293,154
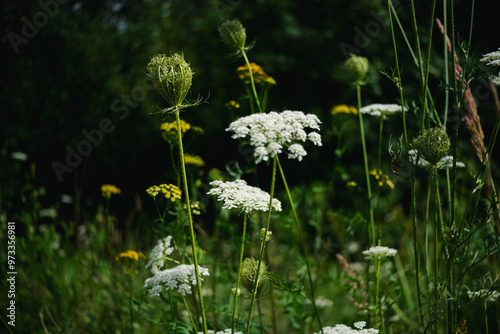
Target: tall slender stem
302,244
371,228
398,74
190,218
252,82
416,251
236,292
263,244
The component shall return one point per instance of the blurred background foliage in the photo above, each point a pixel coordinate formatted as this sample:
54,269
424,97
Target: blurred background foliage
87,63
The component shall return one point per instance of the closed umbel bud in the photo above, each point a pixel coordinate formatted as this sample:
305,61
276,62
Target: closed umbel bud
249,273
233,34
358,67
432,144
172,77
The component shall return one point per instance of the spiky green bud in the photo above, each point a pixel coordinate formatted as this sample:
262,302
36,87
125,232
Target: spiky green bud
249,274
172,77
233,34
432,144
358,67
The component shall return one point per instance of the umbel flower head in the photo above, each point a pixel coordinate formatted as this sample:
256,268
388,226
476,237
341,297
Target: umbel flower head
178,279
379,252
357,67
381,110
108,189
238,195
259,75
343,329
172,77
234,35
159,254
432,145
269,133
344,109
493,58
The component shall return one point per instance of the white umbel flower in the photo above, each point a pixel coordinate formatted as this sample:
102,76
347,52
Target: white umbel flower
379,252
178,279
381,110
445,162
225,331
239,195
343,329
269,133
158,254
492,58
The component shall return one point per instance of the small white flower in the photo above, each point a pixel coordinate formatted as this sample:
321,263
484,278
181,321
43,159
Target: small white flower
270,132
296,151
343,329
445,162
492,58
238,195
158,254
489,295
179,279
225,331
379,251
383,110
21,156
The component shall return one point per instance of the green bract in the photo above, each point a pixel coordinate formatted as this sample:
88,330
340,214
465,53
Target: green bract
358,67
233,34
432,144
172,77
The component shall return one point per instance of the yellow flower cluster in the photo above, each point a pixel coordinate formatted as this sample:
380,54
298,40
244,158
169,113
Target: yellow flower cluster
343,109
232,105
130,254
193,160
381,179
259,76
108,189
172,126
169,190
195,208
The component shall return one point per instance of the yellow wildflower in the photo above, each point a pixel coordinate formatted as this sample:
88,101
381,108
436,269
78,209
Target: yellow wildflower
172,127
193,160
344,109
381,179
232,105
352,184
259,75
195,207
130,254
108,189
170,191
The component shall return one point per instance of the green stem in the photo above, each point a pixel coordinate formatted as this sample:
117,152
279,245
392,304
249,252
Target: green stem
371,228
380,142
252,83
302,244
131,305
415,252
377,296
190,315
426,76
398,74
190,218
263,245
486,315
239,272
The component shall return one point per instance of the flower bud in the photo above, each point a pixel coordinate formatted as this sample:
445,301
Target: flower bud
233,34
432,144
358,67
268,237
172,77
249,273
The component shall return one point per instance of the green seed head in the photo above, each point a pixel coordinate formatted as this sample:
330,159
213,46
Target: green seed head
172,77
358,67
432,144
233,34
249,273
